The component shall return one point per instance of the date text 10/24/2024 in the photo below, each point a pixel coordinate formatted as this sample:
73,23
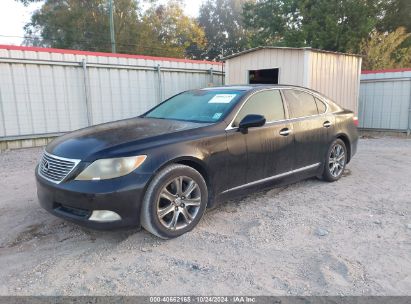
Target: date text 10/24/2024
203,299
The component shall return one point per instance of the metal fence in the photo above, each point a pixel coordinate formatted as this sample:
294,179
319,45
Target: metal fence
47,91
385,100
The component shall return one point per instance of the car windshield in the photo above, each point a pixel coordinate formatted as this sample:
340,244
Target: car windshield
197,106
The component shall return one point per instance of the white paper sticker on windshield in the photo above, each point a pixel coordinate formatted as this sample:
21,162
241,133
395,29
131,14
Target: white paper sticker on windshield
222,98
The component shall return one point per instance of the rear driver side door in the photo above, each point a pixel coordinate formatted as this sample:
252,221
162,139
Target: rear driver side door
309,126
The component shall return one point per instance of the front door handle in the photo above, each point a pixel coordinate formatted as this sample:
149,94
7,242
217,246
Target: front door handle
327,124
285,132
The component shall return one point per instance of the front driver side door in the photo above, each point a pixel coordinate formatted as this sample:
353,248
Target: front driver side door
269,148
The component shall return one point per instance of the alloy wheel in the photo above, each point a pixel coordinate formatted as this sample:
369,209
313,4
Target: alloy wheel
336,160
178,203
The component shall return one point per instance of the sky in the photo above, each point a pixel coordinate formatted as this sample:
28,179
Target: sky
14,15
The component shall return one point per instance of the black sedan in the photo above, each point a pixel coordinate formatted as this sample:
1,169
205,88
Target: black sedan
162,169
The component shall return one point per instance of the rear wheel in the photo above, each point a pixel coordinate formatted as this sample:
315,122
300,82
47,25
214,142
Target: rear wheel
335,161
174,202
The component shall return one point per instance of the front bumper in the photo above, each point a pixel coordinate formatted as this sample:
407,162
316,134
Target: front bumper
76,200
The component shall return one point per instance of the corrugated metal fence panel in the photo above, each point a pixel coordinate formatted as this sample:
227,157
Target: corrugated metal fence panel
39,99
175,82
43,92
385,101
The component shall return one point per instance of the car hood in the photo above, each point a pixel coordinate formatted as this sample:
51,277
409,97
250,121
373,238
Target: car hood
88,142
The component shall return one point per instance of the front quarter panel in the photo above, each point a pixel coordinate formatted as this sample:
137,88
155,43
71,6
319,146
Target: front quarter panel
208,151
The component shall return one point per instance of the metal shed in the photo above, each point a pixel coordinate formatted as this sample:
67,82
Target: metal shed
336,75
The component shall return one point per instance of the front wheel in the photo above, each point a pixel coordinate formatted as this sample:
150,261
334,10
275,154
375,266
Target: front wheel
335,161
174,202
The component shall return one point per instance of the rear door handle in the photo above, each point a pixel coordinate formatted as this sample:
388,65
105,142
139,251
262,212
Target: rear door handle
285,132
327,124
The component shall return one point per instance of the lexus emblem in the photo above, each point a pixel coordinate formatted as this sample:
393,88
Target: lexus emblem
46,165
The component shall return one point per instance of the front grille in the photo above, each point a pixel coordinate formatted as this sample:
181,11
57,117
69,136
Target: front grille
54,168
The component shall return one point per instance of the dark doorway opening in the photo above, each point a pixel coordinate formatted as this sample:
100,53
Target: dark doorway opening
266,76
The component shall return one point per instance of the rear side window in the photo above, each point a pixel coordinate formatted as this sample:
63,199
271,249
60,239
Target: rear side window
266,103
300,103
320,106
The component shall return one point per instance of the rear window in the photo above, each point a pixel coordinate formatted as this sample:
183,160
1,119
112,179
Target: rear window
301,104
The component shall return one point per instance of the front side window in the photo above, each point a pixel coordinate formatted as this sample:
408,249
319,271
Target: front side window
197,106
266,103
300,104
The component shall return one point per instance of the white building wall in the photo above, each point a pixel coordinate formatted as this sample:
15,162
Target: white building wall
335,75
289,61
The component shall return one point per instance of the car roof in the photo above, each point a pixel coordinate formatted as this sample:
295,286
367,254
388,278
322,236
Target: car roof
256,87
249,87
232,87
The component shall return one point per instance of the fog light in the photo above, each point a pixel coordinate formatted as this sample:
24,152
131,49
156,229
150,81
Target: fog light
104,216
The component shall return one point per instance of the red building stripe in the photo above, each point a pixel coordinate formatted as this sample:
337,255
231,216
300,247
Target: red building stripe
385,71
87,53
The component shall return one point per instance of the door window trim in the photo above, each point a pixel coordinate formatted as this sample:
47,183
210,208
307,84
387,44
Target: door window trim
285,105
322,103
314,96
230,125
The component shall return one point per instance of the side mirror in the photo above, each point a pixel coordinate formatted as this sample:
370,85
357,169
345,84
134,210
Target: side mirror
250,121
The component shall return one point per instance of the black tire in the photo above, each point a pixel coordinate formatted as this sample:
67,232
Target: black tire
333,172
166,182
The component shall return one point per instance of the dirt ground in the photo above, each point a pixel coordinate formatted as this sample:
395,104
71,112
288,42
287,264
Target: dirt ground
352,237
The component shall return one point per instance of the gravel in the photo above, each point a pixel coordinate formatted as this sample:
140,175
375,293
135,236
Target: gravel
351,237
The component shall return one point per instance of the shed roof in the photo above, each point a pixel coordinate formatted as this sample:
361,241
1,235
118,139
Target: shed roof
287,48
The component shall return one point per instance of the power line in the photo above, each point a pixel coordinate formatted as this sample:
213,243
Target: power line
84,41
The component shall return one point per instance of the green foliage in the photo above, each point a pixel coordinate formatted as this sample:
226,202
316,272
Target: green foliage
162,30
223,26
371,27
166,27
335,25
273,22
84,24
397,13
384,50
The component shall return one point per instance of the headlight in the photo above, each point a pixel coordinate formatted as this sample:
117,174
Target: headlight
111,167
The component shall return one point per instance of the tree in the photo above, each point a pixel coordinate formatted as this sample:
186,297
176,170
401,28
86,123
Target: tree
338,25
396,13
84,24
165,27
162,30
273,22
223,25
335,25
384,50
